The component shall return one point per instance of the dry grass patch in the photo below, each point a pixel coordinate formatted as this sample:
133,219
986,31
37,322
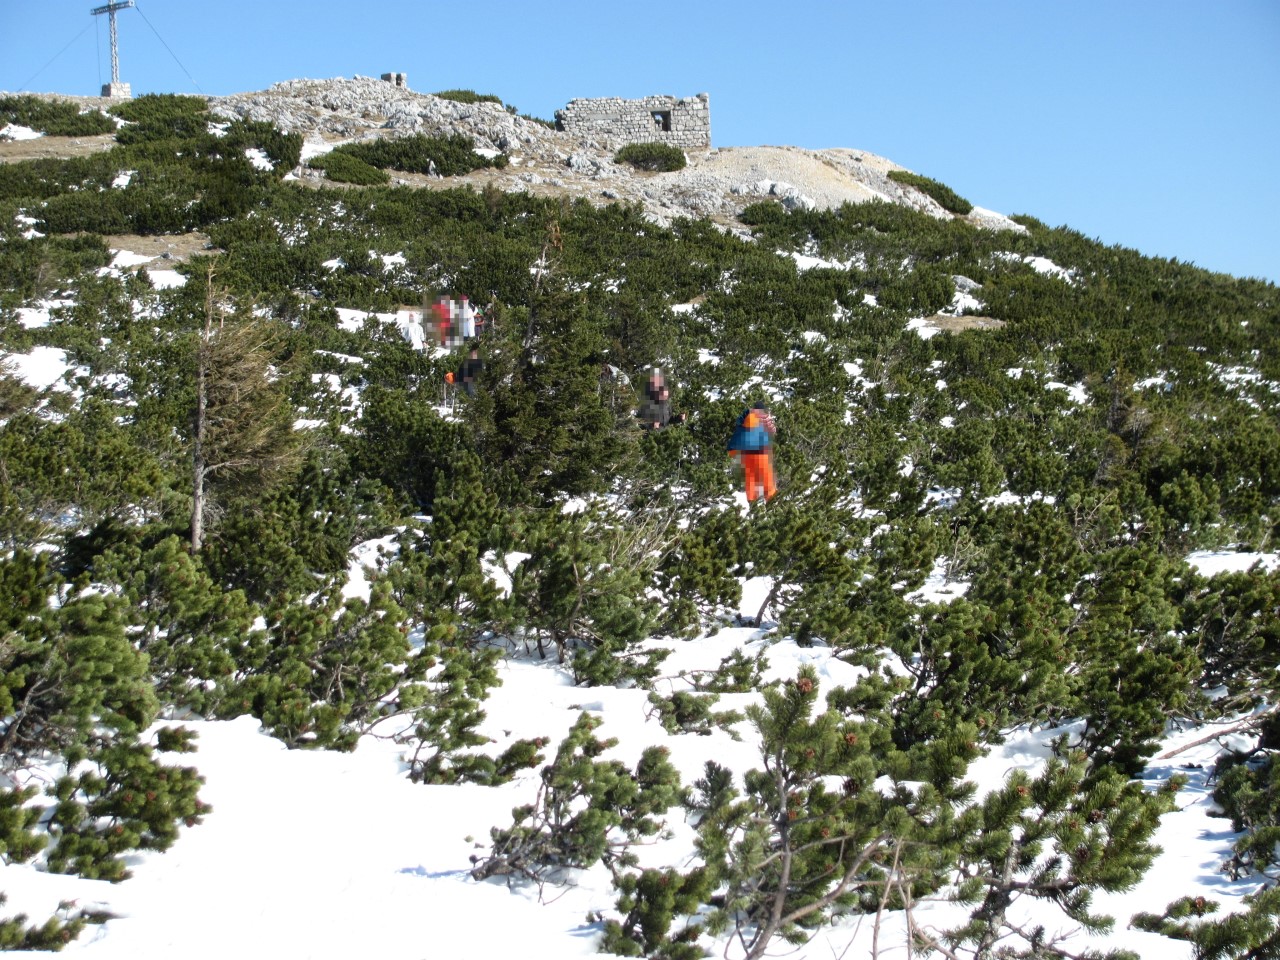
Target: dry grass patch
180,246
54,148
956,324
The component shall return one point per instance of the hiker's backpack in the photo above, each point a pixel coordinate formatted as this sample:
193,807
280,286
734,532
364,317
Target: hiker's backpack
751,439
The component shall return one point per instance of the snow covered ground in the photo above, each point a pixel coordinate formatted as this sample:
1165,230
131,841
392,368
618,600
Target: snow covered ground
319,854
326,855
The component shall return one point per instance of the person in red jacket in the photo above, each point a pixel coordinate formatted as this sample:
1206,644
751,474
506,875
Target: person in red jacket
752,443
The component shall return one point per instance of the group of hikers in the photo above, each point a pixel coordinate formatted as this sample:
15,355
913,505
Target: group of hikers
456,321
750,445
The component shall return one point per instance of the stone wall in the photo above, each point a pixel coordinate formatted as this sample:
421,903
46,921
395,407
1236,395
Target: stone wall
679,121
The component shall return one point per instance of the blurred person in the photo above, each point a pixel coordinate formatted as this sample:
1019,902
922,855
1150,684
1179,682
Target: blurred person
752,444
655,410
442,309
466,319
469,373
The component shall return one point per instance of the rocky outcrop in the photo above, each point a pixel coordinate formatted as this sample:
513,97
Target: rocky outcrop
716,184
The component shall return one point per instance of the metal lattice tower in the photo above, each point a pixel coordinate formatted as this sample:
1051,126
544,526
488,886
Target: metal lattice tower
115,88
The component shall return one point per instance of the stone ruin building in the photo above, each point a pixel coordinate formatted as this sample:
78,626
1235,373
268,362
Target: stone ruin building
680,121
397,79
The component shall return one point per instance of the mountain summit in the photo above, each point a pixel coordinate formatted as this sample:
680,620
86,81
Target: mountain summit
716,184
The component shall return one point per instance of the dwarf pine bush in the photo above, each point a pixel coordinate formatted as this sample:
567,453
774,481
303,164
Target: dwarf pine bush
947,198
468,96
586,810
54,118
343,167
444,156
655,157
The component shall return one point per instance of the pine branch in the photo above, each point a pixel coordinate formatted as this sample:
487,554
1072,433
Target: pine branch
1251,723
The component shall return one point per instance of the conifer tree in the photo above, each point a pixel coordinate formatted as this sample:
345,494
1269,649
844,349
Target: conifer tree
125,801
1251,934
75,691
586,810
84,465
788,851
1058,837
584,589
440,577
405,444
698,574
1135,671
327,669
997,656
550,425
189,628
446,712
1227,618
808,550
241,425
1248,790
68,674
649,902
52,935
19,820
686,712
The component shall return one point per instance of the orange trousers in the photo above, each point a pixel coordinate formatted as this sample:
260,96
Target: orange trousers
759,471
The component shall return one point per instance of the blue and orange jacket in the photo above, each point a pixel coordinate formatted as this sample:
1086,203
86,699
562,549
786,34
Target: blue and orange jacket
752,434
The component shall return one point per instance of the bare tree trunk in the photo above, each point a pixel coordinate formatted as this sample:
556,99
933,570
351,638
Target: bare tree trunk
768,602
197,506
200,425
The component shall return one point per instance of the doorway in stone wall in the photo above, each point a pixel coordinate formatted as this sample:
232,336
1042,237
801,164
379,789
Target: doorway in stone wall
662,120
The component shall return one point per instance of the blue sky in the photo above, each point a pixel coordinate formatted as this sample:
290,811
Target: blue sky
1153,125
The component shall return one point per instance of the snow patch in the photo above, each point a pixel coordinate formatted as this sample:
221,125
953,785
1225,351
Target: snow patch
367,556
804,263
1041,265
166,279
41,368
1209,563
15,131
1076,391
923,329
259,159
499,573
313,147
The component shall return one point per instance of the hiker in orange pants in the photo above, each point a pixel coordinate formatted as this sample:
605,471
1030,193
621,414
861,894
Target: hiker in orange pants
758,468
752,442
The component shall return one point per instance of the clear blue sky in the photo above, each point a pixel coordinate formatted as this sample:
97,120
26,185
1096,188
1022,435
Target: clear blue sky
1154,124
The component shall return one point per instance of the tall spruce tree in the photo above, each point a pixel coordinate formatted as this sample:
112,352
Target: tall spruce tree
550,423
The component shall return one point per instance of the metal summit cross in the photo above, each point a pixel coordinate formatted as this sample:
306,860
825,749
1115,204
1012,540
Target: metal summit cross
115,88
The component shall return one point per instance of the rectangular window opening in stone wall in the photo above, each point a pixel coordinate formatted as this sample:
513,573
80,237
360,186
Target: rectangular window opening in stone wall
662,120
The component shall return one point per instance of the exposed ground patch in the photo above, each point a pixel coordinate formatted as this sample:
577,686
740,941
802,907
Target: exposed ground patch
180,246
54,148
